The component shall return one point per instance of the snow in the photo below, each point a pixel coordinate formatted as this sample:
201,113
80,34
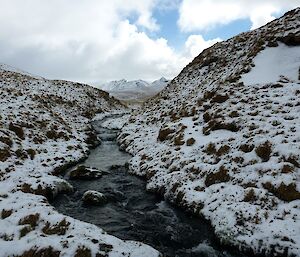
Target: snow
242,172
125,85
115,123
44,126
134,90
274,63
13,69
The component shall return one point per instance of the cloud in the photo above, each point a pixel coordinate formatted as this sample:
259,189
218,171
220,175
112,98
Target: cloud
84,40
195,44
95,40
203,15
135,53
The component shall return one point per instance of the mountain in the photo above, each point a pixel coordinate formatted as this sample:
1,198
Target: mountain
124,85
45,127
137,90
160,83
222,140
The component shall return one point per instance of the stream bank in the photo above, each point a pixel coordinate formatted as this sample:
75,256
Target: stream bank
131,212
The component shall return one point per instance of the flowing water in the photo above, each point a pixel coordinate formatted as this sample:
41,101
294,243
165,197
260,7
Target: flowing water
132,213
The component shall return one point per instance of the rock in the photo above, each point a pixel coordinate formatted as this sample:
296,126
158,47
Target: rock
93,198
85,173
115,167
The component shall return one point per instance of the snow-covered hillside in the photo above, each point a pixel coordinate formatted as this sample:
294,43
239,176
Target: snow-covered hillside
134,90
45,127
223,139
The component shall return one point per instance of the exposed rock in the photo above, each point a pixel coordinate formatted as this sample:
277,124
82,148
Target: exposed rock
85,173
94,198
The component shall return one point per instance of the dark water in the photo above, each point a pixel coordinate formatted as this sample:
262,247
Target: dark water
134,214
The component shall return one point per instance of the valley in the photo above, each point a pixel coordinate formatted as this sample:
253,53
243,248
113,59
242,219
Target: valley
207,164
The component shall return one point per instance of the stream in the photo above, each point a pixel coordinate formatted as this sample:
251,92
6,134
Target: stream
132,213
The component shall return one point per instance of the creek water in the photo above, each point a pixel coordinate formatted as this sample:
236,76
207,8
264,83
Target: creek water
132,213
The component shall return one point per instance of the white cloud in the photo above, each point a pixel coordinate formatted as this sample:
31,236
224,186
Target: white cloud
206,14
84,40
99,40
195,44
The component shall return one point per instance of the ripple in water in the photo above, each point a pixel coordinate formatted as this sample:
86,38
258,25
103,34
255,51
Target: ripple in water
134,214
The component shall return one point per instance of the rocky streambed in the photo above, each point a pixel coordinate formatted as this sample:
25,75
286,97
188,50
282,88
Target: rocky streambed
130,212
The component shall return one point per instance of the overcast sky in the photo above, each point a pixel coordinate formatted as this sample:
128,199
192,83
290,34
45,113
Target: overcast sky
102,40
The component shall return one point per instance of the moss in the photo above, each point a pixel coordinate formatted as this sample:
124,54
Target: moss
287,169
17,129
57,229
4,154
210,149
31,220
53,134
264,151
82,251
47,191
6,213
218,177
234,114
207,116
25,230
6,140
179,198
164,133
224,149
105,247
284,192
92,139
178,140
293,159
217,125
250,196
219,98
246,148
31,153
208,95
21,154
38,140
190,141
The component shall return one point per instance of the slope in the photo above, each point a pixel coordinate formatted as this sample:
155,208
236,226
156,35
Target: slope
223,141
44,128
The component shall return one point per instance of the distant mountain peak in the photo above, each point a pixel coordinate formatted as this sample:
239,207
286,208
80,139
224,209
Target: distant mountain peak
135,89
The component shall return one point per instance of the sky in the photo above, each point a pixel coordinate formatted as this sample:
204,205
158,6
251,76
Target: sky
101,40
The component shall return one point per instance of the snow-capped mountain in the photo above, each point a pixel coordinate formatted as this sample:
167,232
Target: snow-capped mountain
160,83
134,90
222,140
125,85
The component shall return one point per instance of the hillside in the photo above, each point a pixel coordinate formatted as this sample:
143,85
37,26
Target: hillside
44,128
223,139
135,90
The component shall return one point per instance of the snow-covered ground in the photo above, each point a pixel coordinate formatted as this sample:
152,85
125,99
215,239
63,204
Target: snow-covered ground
223,139
273,64
44,127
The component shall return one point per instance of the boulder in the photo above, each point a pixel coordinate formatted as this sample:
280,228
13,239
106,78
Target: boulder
92,197
85,173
